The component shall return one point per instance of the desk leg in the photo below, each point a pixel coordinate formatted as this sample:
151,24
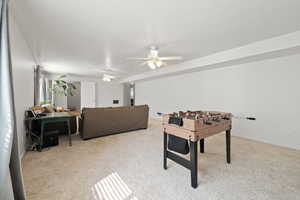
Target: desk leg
228,137
202,146
165,149
194,164
69,132
40,146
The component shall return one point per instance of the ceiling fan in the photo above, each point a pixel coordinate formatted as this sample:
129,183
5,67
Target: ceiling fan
153,60
107,77
110,73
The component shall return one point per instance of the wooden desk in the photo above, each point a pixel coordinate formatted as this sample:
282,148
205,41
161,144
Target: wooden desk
52,118
78,116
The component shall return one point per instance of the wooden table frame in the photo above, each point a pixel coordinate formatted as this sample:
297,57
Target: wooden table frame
53,118
192,164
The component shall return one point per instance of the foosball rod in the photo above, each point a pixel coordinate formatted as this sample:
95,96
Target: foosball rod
233,116
247,118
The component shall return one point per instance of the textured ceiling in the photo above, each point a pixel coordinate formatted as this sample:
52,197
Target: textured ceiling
81,36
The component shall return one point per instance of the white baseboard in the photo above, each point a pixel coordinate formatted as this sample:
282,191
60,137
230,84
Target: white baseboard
156,118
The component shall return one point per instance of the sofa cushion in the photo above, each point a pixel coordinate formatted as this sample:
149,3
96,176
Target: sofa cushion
105,121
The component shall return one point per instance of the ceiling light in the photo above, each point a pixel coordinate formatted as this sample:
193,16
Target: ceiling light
107,78
158,63
151,64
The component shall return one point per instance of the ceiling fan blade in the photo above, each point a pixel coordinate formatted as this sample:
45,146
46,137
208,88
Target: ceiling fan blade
171,58
101,70
112,69
143,63
108,71
109,76
138,58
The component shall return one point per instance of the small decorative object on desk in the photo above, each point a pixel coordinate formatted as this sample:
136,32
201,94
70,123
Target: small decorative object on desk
60,109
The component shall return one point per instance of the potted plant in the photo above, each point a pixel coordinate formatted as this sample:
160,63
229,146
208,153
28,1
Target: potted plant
62,87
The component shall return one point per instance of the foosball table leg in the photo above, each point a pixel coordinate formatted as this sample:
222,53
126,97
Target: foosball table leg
194,164
165,149
202,146
228,138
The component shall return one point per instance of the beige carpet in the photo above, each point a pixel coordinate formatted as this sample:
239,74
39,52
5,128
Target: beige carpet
129,167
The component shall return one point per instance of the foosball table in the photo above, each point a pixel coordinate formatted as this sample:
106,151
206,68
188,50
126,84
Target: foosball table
183,130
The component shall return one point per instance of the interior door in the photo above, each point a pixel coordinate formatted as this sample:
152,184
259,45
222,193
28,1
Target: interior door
88,94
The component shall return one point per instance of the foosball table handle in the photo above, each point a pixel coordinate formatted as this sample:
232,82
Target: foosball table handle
251,118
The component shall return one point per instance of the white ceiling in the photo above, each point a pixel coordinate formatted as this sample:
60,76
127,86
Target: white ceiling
81,36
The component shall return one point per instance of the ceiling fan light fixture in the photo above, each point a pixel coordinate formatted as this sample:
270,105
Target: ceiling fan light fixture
106,78
151,64
159,63
154,61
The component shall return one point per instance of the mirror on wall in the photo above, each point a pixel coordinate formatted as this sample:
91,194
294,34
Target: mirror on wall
83,96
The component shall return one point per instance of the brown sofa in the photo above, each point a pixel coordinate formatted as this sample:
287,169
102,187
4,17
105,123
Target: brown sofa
98,122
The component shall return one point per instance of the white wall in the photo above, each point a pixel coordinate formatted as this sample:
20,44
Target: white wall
126,94
22,65
268,90
107,92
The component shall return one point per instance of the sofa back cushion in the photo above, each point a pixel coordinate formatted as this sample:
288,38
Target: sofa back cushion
105,121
